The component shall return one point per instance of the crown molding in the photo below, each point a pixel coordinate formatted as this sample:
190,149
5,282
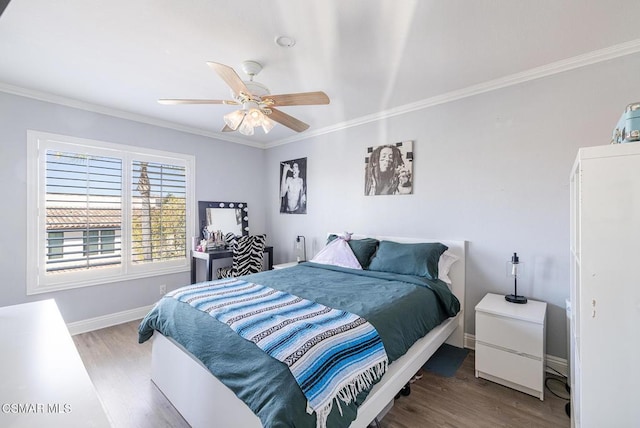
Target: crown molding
122,114
590,58
551,69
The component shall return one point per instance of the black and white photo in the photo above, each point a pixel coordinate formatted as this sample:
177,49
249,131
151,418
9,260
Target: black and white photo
293,186
389,169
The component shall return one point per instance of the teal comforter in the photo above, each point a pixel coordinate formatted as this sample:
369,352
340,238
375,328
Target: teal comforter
402,308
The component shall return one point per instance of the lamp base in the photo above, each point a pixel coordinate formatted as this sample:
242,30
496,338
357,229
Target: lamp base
515,299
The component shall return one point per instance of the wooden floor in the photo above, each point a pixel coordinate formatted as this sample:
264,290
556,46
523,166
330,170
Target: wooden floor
120,370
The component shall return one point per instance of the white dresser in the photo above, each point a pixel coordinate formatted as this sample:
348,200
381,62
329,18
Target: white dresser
43,382
605,286
510,343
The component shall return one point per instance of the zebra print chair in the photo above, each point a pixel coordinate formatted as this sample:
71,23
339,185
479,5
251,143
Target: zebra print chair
247,257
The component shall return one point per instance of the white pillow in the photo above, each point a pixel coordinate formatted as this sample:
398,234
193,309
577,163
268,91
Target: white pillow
337,253
444,265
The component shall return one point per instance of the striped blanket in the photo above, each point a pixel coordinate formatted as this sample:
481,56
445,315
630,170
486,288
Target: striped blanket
331,353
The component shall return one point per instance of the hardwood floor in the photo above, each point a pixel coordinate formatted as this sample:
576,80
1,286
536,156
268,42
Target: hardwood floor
120,369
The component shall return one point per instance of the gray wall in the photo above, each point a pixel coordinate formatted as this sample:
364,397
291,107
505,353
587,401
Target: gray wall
492,169
217,178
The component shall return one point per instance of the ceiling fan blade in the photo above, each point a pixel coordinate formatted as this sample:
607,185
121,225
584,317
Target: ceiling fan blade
171,101
299,99
230,77
288,121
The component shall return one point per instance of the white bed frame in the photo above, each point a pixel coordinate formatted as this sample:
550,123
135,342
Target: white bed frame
202,399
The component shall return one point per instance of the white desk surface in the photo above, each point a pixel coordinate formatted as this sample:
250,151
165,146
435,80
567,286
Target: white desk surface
43,381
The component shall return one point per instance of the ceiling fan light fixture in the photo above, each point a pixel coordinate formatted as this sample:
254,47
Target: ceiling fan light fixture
245,128
267,124
234,119
255,116
257,102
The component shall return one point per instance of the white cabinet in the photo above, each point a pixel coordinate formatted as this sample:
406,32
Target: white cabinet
510,343
605,286
43,380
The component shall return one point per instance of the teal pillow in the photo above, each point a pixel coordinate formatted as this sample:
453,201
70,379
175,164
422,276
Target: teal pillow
363,249
408,259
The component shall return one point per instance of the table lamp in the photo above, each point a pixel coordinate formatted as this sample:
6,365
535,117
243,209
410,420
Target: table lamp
515,268
301,249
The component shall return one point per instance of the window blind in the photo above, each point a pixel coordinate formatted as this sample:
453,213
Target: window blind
100,212
83,205
158,214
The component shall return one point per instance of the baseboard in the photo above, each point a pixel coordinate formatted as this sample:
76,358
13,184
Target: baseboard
469,341
555,365
104,321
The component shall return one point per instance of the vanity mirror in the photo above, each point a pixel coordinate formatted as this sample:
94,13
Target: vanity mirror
225,216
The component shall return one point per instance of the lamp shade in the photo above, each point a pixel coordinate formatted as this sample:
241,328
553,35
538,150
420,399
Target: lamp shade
245,127
301,248
254,117
234,119
267,124
515,270
247,118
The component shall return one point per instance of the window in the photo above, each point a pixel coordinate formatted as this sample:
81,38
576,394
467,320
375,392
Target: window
99,242
108,212
158,212
55,245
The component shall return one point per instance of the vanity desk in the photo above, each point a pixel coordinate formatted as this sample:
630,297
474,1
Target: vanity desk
226,217
208,256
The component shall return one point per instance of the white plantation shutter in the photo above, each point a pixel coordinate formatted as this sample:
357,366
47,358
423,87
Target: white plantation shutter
83,211
100,212
158,212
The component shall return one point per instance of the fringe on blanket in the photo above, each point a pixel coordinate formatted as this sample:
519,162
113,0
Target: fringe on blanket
349,390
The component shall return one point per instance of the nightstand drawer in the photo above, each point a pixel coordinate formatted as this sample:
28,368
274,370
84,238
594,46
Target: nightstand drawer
515,368
521,336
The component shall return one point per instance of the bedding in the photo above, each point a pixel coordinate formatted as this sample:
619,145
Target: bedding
447,259
363,248
331,354
401,308
419,259
338,253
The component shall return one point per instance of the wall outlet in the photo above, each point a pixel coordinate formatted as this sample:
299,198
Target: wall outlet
163,289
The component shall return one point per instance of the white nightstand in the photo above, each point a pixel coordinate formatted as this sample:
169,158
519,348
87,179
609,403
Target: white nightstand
284,265
511,343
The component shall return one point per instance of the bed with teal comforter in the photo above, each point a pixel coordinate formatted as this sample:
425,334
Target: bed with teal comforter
402,309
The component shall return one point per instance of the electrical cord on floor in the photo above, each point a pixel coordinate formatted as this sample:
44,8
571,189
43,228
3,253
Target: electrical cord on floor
565,383
557,372
546,383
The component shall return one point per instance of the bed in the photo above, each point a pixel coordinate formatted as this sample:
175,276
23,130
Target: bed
231,383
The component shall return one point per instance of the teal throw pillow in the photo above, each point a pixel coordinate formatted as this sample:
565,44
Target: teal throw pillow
363,249
419,259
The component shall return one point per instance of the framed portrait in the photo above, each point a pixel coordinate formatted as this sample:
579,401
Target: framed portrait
293,186
388,169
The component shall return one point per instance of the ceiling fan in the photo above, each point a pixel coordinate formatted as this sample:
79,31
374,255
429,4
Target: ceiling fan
258,105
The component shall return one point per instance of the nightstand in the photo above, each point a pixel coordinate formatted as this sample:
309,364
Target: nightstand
284,265
511,343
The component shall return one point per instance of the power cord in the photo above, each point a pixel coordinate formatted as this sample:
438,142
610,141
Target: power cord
565,383
546,383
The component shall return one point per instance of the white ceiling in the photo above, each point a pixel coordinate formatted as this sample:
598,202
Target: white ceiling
372,58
